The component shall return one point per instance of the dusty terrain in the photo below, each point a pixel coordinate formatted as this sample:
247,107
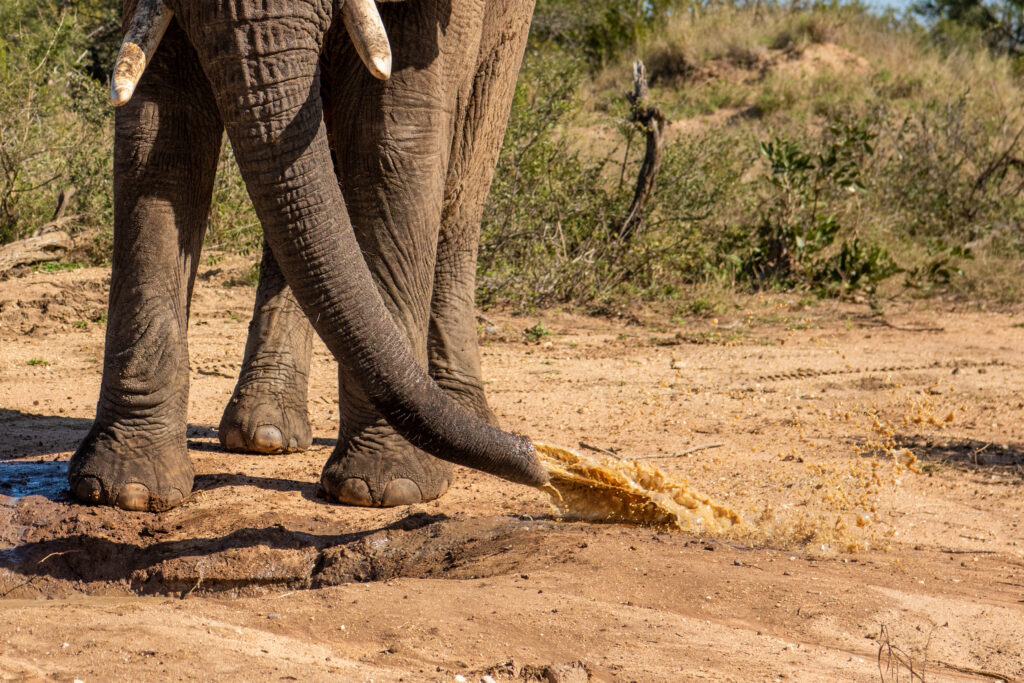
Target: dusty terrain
879,462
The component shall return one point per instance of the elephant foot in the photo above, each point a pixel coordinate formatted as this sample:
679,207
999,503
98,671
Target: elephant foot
130,474
378,468
260,421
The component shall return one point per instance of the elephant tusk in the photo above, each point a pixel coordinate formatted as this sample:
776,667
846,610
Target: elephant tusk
151,19
368,35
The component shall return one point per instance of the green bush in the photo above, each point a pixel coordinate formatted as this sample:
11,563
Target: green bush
55,130
799,218
832,180
551,226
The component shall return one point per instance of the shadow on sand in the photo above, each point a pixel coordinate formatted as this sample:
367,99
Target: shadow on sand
34,450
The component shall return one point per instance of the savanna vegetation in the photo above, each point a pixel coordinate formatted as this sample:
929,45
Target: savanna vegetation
819,148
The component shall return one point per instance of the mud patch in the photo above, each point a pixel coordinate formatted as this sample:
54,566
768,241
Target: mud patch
83,554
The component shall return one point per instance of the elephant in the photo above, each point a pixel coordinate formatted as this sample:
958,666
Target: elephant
367,145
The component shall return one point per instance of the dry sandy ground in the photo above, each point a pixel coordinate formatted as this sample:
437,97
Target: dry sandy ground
858,563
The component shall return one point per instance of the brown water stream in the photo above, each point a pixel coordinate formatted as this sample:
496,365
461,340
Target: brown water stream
628,491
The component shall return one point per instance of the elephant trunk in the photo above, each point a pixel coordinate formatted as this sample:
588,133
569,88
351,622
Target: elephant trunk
267,88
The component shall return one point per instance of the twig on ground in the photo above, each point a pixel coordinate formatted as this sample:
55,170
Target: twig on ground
924,328
995,675
20,585
953,551
700,447
199,582
57,554
895,657
606,451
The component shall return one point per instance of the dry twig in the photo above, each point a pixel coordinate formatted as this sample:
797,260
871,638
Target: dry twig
700,447
606,451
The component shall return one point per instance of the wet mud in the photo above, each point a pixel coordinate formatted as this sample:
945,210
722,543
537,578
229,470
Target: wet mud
60,551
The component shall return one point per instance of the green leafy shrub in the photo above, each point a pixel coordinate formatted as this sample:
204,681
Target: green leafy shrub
798,218
55,130
551,226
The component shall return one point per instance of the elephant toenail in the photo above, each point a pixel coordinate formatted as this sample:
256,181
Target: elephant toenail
353,491
232,440
174,499
401,492
267,439
89,490
133,497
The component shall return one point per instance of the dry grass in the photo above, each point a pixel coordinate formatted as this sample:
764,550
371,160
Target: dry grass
942,175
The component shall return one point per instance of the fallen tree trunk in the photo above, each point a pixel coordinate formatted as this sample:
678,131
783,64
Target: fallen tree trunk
49,246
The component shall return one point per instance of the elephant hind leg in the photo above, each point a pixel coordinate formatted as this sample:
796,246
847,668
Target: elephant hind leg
454,355
268,410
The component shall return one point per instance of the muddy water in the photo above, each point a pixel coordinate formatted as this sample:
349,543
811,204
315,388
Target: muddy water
36,478
626,491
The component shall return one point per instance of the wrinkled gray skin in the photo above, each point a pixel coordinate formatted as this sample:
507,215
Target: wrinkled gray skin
392,297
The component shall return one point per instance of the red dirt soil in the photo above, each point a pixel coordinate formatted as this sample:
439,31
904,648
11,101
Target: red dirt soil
880,463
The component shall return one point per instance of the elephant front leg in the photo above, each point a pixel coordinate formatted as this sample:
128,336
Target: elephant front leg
268,411
392,142
166,145
452,345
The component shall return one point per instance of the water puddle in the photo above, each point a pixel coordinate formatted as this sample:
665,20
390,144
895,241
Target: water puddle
19,479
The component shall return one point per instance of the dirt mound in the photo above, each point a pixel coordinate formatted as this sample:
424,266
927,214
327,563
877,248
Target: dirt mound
817,58
53,302
68,551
